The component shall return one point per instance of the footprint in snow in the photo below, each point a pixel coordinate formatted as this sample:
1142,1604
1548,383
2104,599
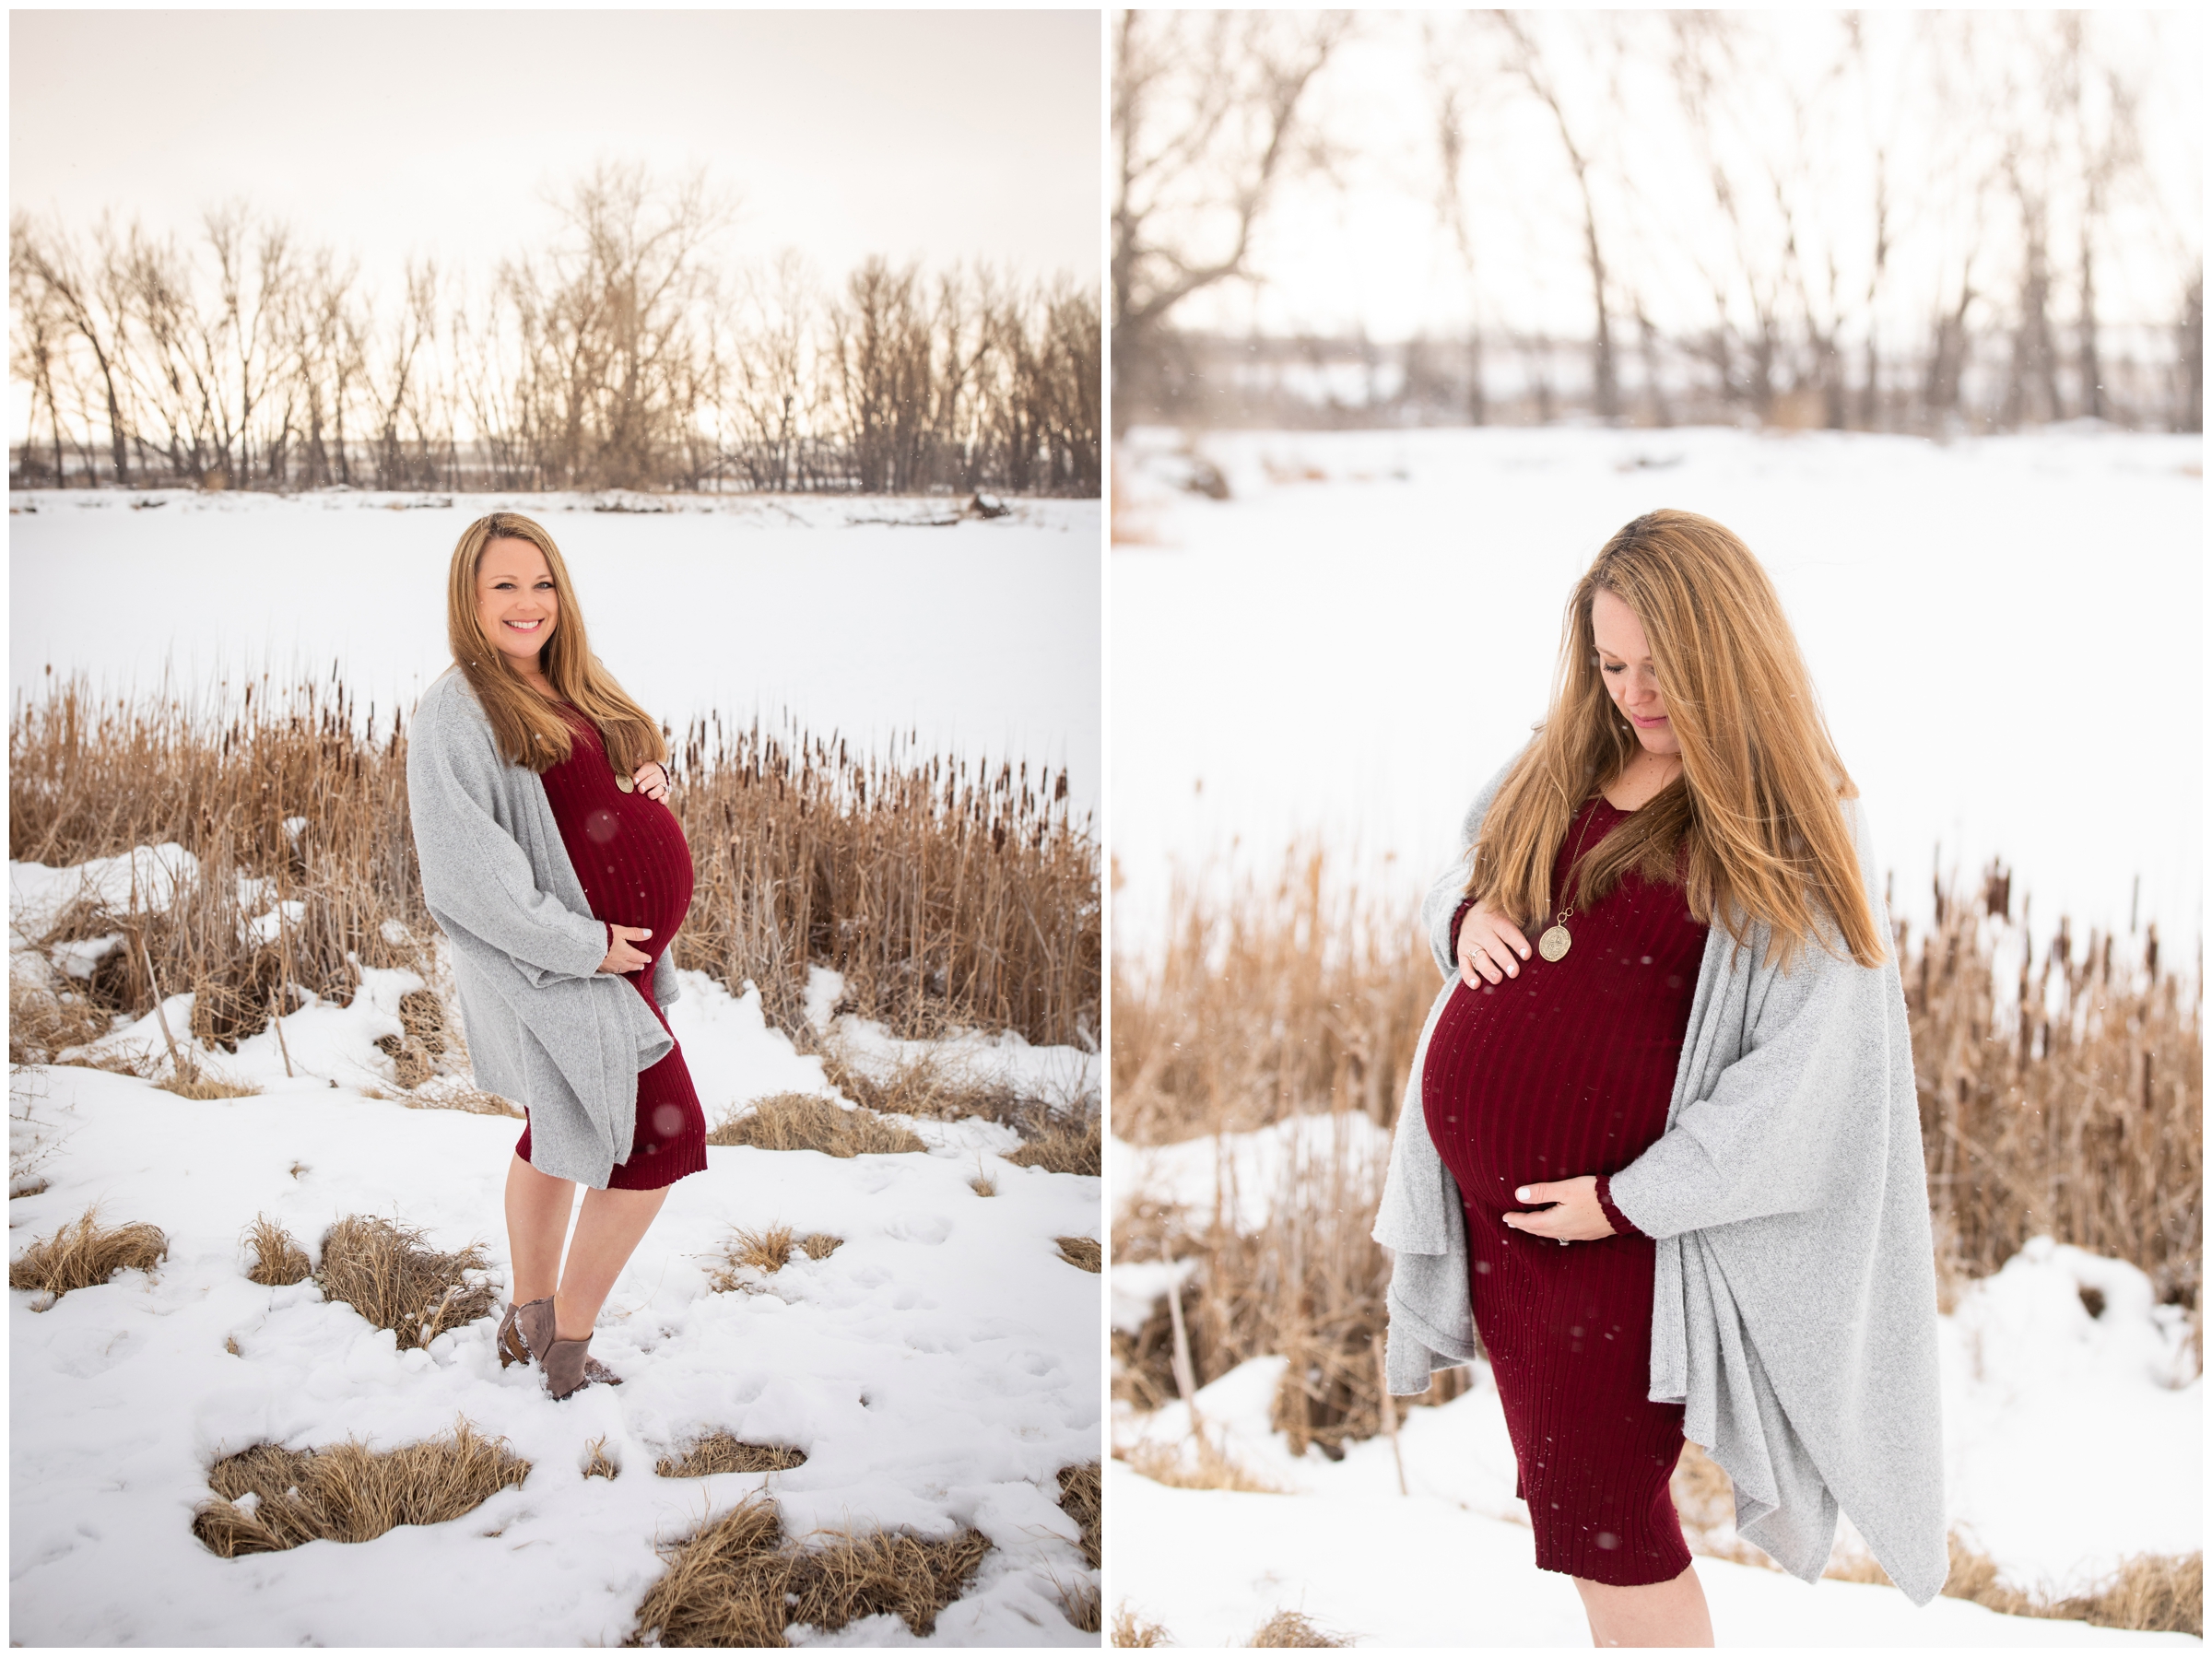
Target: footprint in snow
920,1227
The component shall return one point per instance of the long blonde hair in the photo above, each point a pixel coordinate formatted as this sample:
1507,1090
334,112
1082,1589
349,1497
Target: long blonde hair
1753,829
529,729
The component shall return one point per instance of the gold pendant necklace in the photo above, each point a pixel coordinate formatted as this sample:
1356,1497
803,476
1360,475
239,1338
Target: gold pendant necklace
1556,942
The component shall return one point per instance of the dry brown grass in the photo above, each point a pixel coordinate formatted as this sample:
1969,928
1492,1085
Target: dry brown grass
1082,1252
739,1582
1299,996
382,1269
943,894
1081,1604
599,1464
1062,1145
723,1452
349,1493
820,1245
1293,1628
806,1122
1196,1464
277,1256
767,1250
1130,1630
84,1253
460,1097
1081,1500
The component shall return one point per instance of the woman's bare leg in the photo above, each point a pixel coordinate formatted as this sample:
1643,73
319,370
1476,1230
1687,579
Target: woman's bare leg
1656,1614
538,1206
611,1228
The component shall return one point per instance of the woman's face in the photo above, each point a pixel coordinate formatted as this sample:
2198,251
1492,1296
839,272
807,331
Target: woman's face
1624,662
515,602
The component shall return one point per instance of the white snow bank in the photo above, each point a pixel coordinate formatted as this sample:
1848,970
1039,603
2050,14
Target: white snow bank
37,894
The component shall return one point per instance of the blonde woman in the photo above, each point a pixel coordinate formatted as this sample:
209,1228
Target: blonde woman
536,789
1661,1144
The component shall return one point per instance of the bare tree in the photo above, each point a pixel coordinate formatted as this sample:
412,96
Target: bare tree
1206,124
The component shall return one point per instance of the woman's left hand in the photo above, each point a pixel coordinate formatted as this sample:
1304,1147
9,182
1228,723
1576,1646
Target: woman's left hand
1575,1215
651,779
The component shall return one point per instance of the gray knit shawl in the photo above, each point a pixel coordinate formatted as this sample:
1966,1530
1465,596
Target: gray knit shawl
1793,1313
544,1026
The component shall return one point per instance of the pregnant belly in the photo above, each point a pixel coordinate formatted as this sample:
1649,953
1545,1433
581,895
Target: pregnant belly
635,867
1516,1090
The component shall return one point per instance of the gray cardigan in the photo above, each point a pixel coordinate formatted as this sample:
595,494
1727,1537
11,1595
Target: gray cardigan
544,1026
1794,1313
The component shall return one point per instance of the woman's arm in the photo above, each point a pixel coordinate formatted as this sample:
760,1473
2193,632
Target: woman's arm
473,872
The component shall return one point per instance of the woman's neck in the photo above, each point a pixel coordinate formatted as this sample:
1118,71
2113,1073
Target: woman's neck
1639,780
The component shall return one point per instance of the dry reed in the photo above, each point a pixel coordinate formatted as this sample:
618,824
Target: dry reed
2081,1117
277,1257
271,1498
739,1581
723,1452
806,1122
84,1253
382,1269
944,893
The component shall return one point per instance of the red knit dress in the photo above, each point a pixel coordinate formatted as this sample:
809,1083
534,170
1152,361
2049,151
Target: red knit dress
630,856
1563,1071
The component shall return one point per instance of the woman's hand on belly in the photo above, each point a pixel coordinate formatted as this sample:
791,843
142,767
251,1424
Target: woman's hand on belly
1574,1217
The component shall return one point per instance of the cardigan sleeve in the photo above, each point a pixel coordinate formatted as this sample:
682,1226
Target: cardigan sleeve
474,873
1762,1141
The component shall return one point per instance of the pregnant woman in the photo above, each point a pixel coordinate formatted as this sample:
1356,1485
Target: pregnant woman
1666,1161
537,792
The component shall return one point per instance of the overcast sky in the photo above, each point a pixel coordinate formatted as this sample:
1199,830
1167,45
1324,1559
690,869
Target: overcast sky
938,136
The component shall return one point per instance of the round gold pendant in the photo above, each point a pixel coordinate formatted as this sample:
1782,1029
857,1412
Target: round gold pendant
625,784
1553,944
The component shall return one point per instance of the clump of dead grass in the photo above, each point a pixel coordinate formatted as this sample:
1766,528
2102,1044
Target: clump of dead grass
767,1250
1068,1144
806,1122
725,1452
1082,1252
1081,1604
1293,1628
455,1095
1081,1499
599,1464
1130,1630
277,1256
83,1254
739,1582
382,1269
820,1245
1197,1464
270,1499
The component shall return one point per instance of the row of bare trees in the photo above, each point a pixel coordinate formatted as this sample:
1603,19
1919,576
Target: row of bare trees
1897,221
621,355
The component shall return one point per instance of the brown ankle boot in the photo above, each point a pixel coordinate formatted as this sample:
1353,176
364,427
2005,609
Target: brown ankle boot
570,1367
514,1345
533,1325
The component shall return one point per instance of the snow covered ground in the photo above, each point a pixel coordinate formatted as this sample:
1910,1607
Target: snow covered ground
2071,1440
863,616
938,1368
2005,633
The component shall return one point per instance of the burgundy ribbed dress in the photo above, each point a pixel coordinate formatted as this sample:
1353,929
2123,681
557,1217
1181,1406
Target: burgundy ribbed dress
635,867
1565,1071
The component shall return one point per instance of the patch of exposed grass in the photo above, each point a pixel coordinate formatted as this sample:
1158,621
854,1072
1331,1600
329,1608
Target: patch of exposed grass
1195,1464
820,1245
457,1096
1083,1252
270,1499
83,1254
1130,1630
600,1464
382,1270
277,1256
1081,1500
2163,1592
806,1122
196,1083
1293,1628
1062,1145
739,1582
724,1453
768,1249
1081,1604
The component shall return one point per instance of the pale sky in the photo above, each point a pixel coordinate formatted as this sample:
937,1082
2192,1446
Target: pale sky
939,135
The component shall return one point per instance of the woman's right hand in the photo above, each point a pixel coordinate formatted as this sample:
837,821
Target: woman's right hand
621,957
1488,946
